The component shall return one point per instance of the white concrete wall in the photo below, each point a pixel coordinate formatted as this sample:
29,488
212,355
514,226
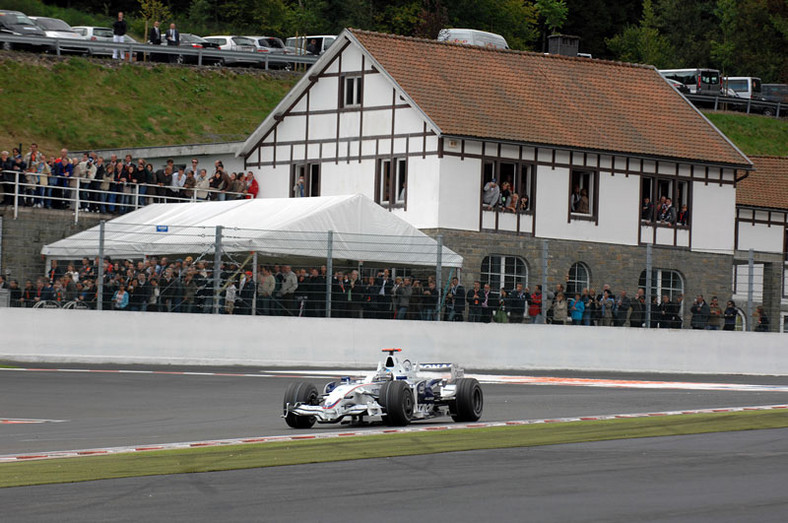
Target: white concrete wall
186,339
713,209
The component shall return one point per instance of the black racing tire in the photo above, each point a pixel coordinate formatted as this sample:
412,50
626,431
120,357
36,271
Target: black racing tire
299,392
469,401
396,398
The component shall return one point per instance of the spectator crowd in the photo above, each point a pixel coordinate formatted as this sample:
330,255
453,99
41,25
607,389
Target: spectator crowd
114,185
188,285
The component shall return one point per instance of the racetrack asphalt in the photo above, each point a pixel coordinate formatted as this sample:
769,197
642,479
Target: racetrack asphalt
722,477
110,409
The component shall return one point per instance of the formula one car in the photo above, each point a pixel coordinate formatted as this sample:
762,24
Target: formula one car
396,392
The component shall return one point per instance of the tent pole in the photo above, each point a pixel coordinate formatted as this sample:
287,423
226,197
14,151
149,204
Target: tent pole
329,271
217,273
100,263
254,282
438,274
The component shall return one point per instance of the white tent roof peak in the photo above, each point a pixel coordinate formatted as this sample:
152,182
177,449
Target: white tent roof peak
285,227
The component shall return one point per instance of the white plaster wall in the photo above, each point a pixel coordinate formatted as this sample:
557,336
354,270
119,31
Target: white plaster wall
348,178
713,214
273,182
619,209
761,237
423,190
552,199
377,90
187,339
458,193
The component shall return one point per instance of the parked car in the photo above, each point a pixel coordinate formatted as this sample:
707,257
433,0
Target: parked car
269,44
314,45
699,81
744,86
775,92
474,37
198,42
57,28
680,87
16,23
96,34
234,43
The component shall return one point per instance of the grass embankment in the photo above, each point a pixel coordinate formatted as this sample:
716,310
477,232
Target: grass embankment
753,134
68,470
93,104
99,104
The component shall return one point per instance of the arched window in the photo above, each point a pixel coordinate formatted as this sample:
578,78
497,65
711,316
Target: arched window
579,279
504,272
663,282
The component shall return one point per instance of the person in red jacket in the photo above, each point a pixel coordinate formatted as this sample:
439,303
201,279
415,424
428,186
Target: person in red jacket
535,305
251,186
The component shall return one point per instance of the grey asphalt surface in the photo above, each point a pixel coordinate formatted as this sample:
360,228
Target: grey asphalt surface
714,477
112,409
726,477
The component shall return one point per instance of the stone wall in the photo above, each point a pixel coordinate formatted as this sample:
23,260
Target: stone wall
619,266
23,237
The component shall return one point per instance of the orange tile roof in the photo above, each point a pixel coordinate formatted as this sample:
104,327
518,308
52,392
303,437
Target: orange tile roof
548,99
767,186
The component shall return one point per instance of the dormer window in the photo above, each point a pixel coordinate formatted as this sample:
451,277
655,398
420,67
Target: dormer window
351,90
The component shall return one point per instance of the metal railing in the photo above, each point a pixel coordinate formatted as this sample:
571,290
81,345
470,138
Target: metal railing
58,45
747,105
80,195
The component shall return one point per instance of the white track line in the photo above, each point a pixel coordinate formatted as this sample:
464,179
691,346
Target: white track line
373,432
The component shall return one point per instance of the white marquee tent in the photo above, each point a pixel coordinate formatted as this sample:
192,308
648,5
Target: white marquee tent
283,227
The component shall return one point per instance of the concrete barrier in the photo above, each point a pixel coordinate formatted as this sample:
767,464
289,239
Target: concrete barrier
196,339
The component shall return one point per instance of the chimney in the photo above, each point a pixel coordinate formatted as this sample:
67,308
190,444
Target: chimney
565,45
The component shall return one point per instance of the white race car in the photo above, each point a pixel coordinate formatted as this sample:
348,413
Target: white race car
398,392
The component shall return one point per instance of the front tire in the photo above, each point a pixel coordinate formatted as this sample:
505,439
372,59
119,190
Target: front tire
396,398
469,401
299,392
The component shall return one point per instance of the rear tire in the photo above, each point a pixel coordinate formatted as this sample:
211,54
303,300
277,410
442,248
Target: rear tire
396,399
768,112
469,401
299,392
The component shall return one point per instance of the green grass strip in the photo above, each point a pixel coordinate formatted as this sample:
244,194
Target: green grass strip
182,461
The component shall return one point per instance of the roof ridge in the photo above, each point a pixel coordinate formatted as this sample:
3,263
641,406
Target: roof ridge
498,50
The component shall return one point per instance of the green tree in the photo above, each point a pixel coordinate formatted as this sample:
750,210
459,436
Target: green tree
723,48
152,10
553,12
643,43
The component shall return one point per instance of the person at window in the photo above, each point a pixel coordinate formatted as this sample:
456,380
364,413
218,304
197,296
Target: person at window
524,204
312,47
700,313
647,210
582,204
513,202
506,194
299,190
474,299
683,216
575,198
668,213
455,301
715,315
729,316
492,194
762,322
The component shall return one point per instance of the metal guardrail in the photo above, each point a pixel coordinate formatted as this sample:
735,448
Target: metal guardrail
58,45
747,105
126,197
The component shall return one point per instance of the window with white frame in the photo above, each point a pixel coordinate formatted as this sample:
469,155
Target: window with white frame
305,180
664,282
391,181
583,193
350,90
504,272
579,279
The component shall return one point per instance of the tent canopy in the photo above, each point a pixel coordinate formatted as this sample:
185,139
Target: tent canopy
284,227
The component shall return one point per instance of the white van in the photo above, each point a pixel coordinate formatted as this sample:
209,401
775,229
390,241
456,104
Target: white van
473,37
744,86
310,44
698,81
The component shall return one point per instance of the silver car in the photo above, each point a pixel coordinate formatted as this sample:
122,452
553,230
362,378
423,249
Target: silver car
57,28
